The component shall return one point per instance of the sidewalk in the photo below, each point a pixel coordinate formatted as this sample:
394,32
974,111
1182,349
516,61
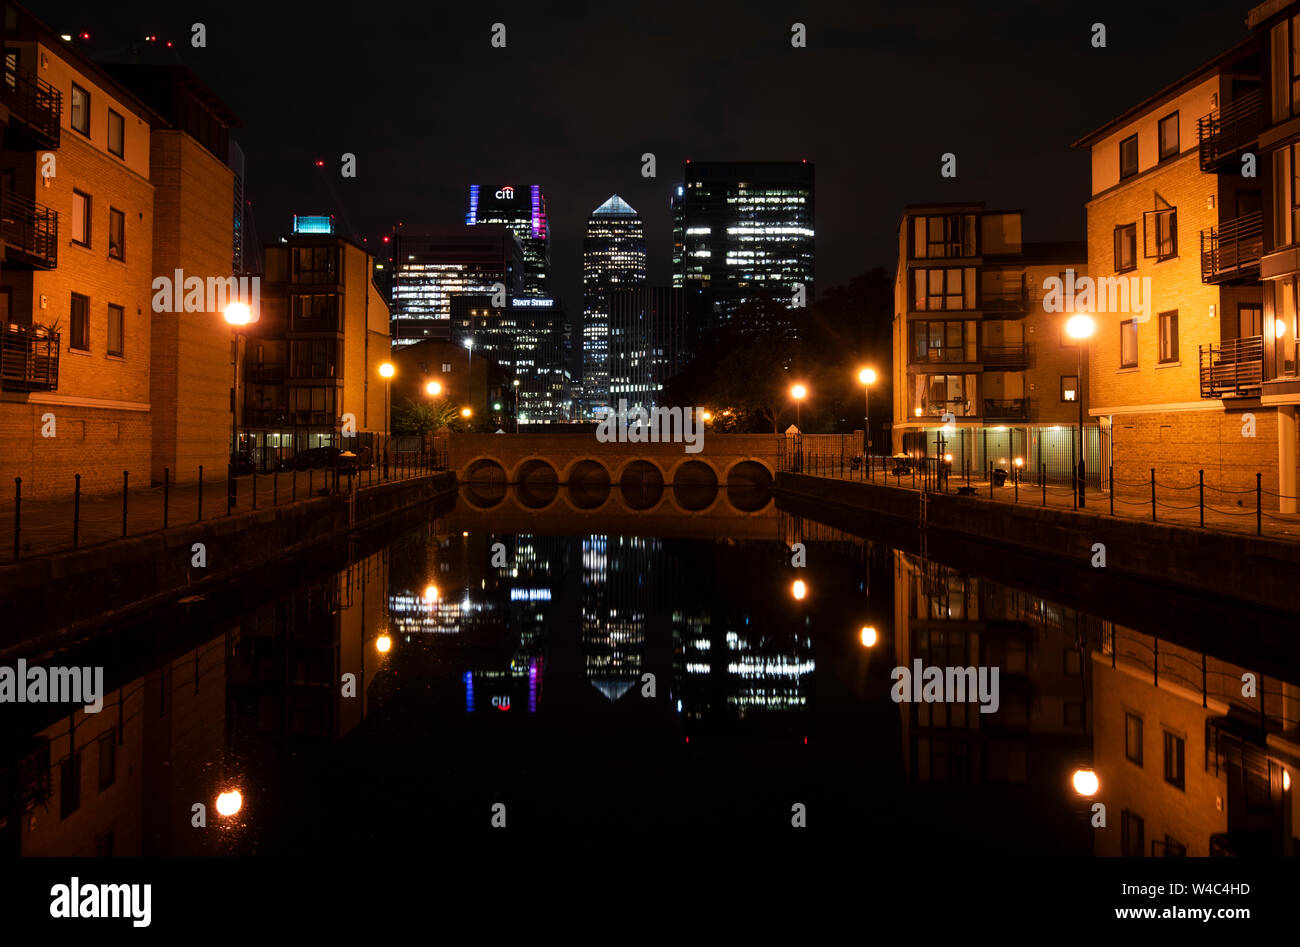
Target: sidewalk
47,524
1224,512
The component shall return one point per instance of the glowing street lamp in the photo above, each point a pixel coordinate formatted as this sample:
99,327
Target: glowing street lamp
386,372
799,590
1080,328
798,393
383,644
236,314
465,412
1085,782
229,803
868,636
433,389
867,378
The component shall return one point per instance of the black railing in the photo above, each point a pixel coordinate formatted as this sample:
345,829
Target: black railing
29,358
1006,409
1006,355
1227,132
36,103
268,373
1011,300
1232,250
1232,367
266,417
31,231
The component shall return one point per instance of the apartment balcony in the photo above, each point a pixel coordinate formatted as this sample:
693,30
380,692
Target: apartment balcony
29,358
267,373
1230,252
34,109
1013,356
314,371
265,417
1233,368
1226,133
1010,303
29,233
1006,409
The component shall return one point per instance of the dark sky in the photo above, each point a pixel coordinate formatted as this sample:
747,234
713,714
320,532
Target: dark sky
582,89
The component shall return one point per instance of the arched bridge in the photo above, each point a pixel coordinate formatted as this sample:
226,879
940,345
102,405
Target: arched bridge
732,472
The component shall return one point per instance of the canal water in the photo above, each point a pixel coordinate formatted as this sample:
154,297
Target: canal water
653,680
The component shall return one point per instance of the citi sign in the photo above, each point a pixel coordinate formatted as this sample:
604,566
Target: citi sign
506,193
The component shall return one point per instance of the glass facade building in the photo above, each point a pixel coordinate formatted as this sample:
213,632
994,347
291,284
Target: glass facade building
613,257
527,339
742,230
523,210
649,342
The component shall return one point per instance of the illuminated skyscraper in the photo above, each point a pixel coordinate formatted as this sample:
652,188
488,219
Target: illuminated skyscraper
649,342
613,257
745,229
524,212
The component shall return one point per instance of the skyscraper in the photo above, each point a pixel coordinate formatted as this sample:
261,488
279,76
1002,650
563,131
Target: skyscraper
648,342
433,264
745,229
524,212
613,257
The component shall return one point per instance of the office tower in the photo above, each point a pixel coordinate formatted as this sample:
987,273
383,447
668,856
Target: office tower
526,337
524,212
746,229
236,162
433,264
648,342
613,257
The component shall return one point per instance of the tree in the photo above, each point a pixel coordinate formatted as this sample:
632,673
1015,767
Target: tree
425,417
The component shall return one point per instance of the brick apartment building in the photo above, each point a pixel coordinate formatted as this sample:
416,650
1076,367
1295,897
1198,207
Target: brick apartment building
972,340
1178,197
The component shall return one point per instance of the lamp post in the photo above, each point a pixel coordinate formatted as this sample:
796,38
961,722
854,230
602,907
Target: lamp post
516,405
1080,328
867,377
387,371
237,314
798,393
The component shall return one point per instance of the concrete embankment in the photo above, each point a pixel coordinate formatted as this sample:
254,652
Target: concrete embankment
71,591
1260,570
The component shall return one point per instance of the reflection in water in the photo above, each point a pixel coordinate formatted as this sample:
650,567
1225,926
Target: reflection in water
604,680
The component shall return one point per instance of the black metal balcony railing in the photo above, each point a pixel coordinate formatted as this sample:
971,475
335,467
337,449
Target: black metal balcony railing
1227,132
956,353
312,370
37,104
265,417
30,230
1232,367
29,358
1232,250
1006,356
1011,300
1006,409
267,373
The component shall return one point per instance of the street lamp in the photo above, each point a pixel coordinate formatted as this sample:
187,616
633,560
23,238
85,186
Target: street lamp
1085,782
433,389
1080,328
387,371
867,377
236,314
798,393
868,636
516,405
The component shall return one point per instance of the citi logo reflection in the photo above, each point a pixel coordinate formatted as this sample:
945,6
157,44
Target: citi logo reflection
946,685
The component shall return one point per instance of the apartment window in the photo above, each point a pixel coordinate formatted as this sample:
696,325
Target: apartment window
943,342
79,317
69,785
1159,233
1169,336
1069,387
1128,157
314,359
116,328
116,233
1125,247
949,288
1128,344
1174,760
317,312
1132,830
951,235
107,760
1250,321
1133,738
314,264
935,394
116,133
81,218
446,367
1169,136
79,115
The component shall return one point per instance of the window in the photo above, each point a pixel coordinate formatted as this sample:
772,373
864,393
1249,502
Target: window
317,312
935,394
1069,387
1169,136
1125,247
944,289
116,234
116,133
952,235
1133,738
116,329
107,760
80,114
1250,321
1159,233
1128,157
1174,760
1131,832
446,367
69,785
1169,336
79,334
943,342
1128,344
314,264
81,218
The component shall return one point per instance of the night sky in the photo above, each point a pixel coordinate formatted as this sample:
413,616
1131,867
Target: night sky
582,90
